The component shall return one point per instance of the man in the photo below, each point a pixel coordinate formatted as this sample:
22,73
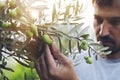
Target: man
55,66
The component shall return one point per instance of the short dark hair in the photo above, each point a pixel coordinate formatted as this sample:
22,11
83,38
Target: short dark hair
103,3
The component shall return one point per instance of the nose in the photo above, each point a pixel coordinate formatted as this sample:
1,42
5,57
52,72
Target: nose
104,29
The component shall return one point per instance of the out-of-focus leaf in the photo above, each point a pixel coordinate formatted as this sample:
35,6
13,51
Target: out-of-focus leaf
60,44
104,53
83,31
77,7
89,52
85,36
59,4
78,18
107,52
2,75
22,63
78,46
75,28
96,57
71,23
6,78
63,34
70,46
6,68
25,76
80,8
66,14
102,48
53,28
53,13
31,64
77,64
96,45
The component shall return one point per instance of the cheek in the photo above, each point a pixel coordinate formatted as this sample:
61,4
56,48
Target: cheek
97,30
116,34
117,39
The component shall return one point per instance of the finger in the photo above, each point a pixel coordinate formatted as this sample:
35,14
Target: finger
37,67
43,68
57,54
50,62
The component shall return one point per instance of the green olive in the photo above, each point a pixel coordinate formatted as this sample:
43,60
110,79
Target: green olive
13,13
29,34
19,12
5,24
89,60
34,29
84,46
13,4
85,57
23,19
84,42
47,39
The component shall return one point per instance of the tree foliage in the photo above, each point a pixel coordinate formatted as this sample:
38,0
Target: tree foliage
20,32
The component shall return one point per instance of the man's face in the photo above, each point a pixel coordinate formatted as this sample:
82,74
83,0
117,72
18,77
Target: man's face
107,26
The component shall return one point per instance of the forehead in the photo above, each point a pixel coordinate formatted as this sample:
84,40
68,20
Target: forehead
113,10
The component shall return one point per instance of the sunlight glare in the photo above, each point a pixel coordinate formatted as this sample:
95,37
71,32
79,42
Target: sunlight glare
35,14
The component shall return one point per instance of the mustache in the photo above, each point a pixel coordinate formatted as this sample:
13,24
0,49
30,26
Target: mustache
106,39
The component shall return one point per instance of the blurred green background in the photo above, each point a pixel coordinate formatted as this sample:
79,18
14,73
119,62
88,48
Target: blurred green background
19,71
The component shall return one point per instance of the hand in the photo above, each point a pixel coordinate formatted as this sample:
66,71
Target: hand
54,65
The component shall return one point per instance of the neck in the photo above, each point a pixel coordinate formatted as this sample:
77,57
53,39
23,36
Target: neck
113,56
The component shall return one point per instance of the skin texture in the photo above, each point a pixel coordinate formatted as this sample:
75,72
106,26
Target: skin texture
53,65
107,27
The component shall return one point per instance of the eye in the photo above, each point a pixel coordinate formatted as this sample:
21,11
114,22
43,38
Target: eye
114,21
98,20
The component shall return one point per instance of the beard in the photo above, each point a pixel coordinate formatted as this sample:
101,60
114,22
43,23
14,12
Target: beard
107,41
116,50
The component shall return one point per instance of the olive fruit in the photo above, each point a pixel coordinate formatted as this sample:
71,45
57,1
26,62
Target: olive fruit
5,24
19,12
88,59
84,42
13,13
12,4
84,45
47,39
34,29
85,57
29,34
23,19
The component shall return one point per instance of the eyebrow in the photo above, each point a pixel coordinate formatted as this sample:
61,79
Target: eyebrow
97,16
114,18
109,18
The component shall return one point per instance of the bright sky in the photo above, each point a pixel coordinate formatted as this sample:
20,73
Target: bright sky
49,4
88,13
